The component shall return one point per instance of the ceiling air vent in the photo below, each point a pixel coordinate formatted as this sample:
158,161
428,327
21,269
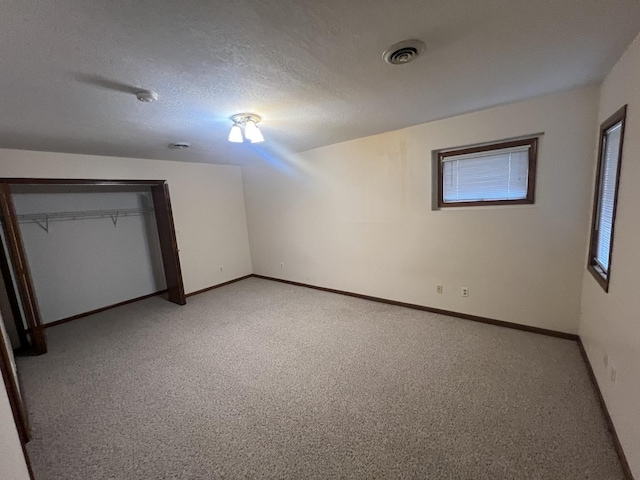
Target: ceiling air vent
403,52
179,145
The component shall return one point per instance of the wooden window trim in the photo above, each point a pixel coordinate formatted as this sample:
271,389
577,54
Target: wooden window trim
604,278
532,142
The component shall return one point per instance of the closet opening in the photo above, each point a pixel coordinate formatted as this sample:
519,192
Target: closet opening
74,247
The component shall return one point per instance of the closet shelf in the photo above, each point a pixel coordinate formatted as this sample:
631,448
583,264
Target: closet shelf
43,219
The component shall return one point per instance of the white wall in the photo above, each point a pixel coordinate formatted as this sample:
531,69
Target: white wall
12,462
610,322
207,202
357,216
85,264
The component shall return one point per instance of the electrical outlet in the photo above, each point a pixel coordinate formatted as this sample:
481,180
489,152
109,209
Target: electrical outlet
465,292
439,288
605,360
281,264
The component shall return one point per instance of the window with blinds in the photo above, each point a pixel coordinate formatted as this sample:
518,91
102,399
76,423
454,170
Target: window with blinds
488,175
601,248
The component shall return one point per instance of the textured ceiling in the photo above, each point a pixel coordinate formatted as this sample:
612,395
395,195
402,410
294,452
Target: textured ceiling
311,68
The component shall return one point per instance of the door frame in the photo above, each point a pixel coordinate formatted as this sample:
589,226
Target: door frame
15,400
9,286
20,266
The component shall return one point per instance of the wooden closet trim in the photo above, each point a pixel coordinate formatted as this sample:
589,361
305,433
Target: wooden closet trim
166,234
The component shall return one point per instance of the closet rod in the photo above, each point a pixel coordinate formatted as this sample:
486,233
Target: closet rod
43,219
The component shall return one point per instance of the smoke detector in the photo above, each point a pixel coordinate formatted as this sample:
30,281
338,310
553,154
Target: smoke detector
403,52
147,96
179,145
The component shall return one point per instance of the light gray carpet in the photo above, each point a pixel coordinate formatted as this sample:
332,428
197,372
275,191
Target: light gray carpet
264,380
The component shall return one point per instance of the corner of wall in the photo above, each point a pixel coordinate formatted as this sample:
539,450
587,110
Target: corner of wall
608,325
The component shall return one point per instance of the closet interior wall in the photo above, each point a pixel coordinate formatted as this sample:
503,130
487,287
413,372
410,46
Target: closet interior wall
88,246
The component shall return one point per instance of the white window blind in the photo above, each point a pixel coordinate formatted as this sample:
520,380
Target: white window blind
608,175
486,176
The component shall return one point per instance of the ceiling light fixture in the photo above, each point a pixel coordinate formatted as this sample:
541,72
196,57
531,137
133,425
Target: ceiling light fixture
251,131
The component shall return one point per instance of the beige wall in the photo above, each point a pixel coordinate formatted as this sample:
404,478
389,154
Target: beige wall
610,322
207,202
12,462
357,216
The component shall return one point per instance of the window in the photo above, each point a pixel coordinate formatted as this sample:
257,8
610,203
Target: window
496,174
606,197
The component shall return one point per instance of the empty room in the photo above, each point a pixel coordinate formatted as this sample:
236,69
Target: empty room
320,239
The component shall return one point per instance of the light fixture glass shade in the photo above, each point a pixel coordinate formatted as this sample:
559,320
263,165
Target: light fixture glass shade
252,132
235,135
257,137
250,128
